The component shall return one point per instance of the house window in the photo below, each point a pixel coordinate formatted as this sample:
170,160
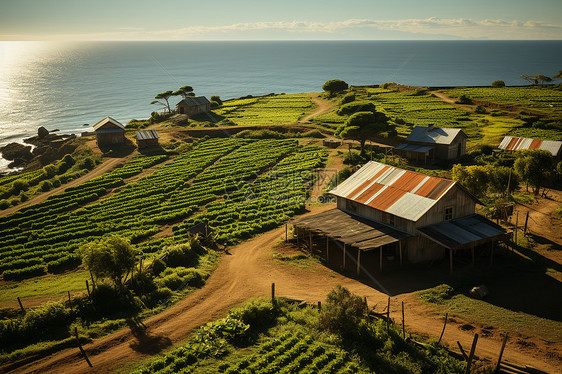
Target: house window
448,213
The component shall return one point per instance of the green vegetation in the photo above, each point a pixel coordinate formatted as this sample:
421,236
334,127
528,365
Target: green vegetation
265,110
498,84
263,338
535,167
363,126
334,86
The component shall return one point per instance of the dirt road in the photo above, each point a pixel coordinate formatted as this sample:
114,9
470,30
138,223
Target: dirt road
248,272
108,165
324,106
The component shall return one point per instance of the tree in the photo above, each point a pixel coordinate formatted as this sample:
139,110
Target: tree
535,167
474,178
498,83
558,75
163,99
112,258
535,79
362,126
217,99
184,92
334,86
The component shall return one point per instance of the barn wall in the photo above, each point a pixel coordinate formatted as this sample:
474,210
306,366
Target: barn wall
461,202
149,143
419,249
111,138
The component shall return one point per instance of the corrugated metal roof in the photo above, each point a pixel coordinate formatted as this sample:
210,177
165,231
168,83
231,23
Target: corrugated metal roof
146,134
462,231
107,120
414,148
350,229
195,101
404,193
433,135
517,144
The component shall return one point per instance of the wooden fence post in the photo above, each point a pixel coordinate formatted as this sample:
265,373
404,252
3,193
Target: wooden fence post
526,221
388,315
21,305
471,354
497,369
286,233
443,331
88,288
273,293
319,305
80,347
403,325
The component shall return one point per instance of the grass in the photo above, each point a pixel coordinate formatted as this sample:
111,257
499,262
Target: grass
46,287
485,313
299,260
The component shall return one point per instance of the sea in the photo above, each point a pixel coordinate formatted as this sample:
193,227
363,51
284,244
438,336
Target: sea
70,86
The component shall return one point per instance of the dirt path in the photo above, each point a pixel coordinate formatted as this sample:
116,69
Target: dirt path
324,106
248,272
452,101
105,166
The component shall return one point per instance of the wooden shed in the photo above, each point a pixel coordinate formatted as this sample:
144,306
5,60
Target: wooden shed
193,105
109,131
147,139
433,143
422,217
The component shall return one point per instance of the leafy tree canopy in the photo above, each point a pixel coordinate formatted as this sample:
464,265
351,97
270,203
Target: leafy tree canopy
334,86
362,126
535,167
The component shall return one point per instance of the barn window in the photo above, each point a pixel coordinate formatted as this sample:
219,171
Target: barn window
449,213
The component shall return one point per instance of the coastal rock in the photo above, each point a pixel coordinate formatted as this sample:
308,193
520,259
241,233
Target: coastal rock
42,132
15,151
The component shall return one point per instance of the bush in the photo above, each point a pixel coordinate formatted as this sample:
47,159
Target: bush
4,204
49,171
356,106
313,134
19,274
498,83
463,99
63,263
480,109
18,186
24,197
348,98
180,255
87,164
158,266
334,86
217,99
258,313
45,186
342,312
56,182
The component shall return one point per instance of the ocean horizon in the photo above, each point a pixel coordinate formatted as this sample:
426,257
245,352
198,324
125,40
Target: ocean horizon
67,85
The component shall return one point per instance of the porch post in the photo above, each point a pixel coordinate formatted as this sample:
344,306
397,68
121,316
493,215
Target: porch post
400,246
380,258
344,256
451,260
327,249
358,261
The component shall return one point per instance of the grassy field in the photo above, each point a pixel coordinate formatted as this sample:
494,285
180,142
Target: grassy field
268,110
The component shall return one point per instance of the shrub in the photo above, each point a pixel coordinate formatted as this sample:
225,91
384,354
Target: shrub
87,164
387,85
4,204
49,171
356,106
63,263
158,266
437,294
463,99
180,255
348,98
258,313
45,186
214,104
29,272
313,134
498,83
56,182
334,86
342,312
24,197
18,186
217,99
480,109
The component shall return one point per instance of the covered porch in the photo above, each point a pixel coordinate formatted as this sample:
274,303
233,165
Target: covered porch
349,241
418,153
465,233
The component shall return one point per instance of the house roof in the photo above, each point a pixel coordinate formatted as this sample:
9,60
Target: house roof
194,101
107,120
403,193
146,134
351,229
414,148
434,135
517,144
461,231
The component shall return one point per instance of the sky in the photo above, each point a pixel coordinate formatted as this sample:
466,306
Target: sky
279,20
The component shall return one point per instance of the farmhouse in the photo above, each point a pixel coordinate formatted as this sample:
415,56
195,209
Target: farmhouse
147,139
386,212
109,131
433,143
193,105
510,143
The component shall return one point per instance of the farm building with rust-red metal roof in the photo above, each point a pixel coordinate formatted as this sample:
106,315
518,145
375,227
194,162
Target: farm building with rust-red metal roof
401,213
510,143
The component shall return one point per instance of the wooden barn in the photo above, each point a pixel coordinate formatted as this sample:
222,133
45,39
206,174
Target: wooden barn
109,131
510,143
384,212
147,139
193,105
433,143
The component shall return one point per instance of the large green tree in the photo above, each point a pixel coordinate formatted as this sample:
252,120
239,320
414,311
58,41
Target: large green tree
184,92
535,167
334,86
112,258
362,126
